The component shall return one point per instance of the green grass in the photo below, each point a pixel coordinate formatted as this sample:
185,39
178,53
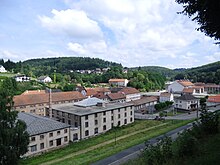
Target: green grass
7,74
108,149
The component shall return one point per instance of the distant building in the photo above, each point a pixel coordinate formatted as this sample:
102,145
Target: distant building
213,100
2,69
186,102
130,93
44,79
21,78
45,134
212,88
93,116
116,97
166,97
178,86
118,82
36,103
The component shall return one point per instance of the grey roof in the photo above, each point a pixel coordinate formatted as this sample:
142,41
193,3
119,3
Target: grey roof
89,102
39,124
187,97
81,111
42,77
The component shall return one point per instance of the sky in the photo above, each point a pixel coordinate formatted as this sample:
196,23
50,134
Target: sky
131,32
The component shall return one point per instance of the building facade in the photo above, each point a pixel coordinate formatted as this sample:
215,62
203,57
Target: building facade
2,69
166,97
45,134
186,102
93,116
118,82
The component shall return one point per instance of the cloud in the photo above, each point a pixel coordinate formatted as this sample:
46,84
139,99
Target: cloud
214,57
74,23
10,55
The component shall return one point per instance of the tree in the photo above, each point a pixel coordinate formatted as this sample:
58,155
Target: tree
206,13
14,138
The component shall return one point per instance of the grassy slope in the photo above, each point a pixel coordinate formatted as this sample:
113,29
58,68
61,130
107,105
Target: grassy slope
108,149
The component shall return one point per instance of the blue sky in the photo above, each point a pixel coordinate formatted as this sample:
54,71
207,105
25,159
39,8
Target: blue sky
133,33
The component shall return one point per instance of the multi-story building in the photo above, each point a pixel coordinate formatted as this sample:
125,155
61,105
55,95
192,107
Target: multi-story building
130,93
186,102
118,82
45,134
36,103
93,116
165,96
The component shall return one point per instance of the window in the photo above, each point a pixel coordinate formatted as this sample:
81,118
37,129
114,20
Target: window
125,108
104,127
125,114
51,143
65,139
96,122
69,122
51,134
33,139
125,121
41,137
58,132
95,130
119,116
104,120
112,112
118,110
87,133
112,117
63,120
68,115
119,123
75,137
131,112
33,148
76,124
86,124
131,119
41,146
63,114
104,113
65,130
96,115
86,117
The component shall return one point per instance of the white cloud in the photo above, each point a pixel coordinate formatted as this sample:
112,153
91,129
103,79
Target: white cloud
76,48
74,23
9,55
214,57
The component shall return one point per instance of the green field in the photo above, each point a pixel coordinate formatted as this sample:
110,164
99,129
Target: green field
7,74
102,146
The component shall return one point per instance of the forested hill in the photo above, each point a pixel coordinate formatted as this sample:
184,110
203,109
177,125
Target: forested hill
169,73
71,63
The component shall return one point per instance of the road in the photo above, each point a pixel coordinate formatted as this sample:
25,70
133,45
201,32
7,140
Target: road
135,151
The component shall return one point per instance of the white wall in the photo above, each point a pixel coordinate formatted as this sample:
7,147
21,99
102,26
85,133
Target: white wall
175,87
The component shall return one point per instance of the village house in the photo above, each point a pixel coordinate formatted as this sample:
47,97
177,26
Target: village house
2,69
213,100
212,88
178,86
186,102
44,79
45,134
145,104
165,96
36,103
92,116
118,82
130,93
116,97
21,78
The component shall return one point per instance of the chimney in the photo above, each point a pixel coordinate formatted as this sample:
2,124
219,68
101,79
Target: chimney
50,104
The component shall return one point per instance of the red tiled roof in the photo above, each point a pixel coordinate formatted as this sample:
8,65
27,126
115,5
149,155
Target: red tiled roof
100,96
22,100
100,89
116,96
31,92
90,92
129,90
188,90
215,99
185,83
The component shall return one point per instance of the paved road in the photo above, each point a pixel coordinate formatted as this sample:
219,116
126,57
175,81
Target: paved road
135,151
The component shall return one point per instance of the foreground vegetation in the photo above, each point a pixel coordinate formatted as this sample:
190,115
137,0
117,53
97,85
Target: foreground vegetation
80,153
199,145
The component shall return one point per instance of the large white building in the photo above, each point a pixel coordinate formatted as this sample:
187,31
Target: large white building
22,78
178,86
92,116
186,102
118,82
2,69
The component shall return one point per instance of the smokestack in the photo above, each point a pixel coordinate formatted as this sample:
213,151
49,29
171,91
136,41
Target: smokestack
50,103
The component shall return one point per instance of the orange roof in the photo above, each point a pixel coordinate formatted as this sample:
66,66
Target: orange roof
215,99
188,90
101,89
90,92
27,92
22,100
129,90
116,96
185,83
116,80
100,96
